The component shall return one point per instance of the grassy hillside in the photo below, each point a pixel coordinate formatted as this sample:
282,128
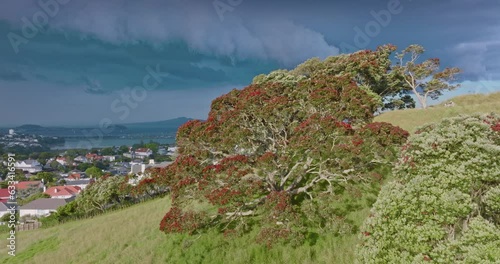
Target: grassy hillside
466,104
131,235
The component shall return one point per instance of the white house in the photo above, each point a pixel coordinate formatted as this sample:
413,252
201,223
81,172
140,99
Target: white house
41,207
61,160
140,170
82,183
31,166
172,149
143,153
12,132
109,158
136,168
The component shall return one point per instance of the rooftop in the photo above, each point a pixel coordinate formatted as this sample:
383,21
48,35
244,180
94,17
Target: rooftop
44,203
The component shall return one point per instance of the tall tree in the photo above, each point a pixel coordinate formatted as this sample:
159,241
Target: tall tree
424,79
279,155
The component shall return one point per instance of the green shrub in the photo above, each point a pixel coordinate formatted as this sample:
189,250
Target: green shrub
444,206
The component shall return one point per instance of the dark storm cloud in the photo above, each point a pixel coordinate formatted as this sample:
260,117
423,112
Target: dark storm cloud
97,49
8,75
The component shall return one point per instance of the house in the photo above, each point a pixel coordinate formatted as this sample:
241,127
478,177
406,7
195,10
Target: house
74,177
109,158
162,151
139,170
63,192
23,185
119,170
61,160
41,207
172,150
93,157
80,183
143,153
81,159
31,166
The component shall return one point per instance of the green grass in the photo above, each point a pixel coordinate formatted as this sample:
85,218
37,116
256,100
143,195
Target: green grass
131,235
410,119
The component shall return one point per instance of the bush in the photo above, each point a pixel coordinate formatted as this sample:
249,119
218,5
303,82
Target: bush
444,206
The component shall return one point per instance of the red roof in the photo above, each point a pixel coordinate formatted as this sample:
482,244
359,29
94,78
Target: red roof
93,156
27,184
142,150
4,194
74,176
61,158
63,190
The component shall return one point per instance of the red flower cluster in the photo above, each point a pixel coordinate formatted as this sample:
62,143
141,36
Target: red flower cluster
496,127
177,221
221,196
386,133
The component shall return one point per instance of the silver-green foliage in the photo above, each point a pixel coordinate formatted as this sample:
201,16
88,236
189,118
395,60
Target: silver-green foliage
445,205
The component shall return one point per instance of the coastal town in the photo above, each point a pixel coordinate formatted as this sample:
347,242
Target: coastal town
50,179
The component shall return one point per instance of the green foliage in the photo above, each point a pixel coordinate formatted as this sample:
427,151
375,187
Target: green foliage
94,172
83,166
47,177
444,206
103,194
32,198
107,151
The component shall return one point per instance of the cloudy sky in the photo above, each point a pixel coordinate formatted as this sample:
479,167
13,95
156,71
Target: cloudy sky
78,62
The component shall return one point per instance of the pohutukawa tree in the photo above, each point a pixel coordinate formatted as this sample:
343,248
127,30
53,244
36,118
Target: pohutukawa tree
278,157
424,79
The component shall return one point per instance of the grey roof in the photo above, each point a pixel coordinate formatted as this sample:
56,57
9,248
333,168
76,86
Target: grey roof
162,164
78,182
44,204
3,207
29,161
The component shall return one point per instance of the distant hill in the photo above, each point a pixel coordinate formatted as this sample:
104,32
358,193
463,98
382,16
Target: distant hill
169,126
170,123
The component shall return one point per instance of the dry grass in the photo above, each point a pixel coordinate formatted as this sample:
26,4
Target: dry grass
410,119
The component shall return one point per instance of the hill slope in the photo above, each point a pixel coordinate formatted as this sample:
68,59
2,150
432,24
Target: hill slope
409,119
132,236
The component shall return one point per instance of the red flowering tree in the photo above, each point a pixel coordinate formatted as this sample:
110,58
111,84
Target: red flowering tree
275,156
